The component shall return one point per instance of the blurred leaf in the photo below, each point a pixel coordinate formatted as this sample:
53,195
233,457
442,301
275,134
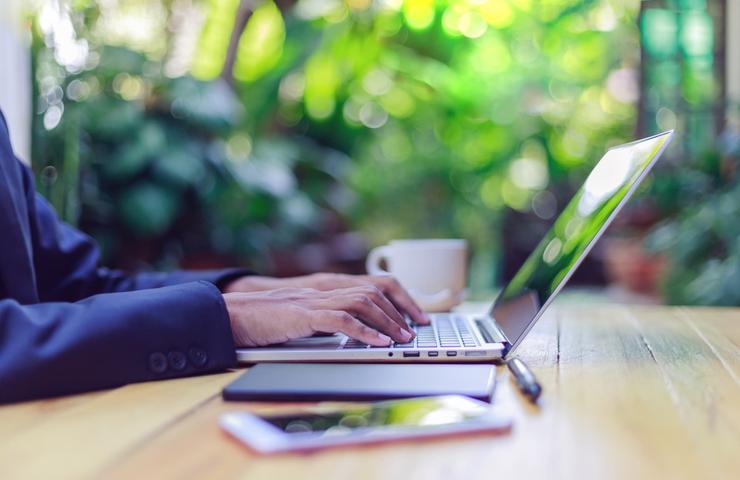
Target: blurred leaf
112,118
180,167
114,60
214,40
212,105
662,237
261,43
148,209
268,175
299,210
133,157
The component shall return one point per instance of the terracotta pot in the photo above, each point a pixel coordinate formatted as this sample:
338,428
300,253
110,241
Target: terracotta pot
629,266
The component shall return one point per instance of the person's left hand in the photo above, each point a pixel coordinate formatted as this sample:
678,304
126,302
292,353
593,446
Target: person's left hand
387,284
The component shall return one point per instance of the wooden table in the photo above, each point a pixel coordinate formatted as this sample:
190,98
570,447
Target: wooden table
630,392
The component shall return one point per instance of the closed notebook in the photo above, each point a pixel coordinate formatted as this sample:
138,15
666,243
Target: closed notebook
332,381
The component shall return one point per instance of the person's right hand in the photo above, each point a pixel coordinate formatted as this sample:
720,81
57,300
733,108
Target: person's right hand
276,316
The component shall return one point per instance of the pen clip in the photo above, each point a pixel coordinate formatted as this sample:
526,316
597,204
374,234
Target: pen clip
524,379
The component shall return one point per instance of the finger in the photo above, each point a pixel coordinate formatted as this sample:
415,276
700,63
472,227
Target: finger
341,321
338,299
401,299
371,314
364,309
382,301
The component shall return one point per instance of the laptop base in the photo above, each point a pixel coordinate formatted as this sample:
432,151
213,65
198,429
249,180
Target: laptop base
452,338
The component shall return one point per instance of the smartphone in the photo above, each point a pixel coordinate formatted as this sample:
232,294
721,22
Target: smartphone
385,421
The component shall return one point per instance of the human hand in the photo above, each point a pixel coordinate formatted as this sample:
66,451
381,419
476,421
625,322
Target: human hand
275,316
387,284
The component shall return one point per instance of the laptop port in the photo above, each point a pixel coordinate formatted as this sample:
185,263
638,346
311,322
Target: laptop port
451,353
475,353
432,354
410,354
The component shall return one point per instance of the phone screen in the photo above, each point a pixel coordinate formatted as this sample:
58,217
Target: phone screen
417,412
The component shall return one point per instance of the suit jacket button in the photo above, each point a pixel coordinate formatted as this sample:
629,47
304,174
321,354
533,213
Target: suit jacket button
157,362
177,360
198,356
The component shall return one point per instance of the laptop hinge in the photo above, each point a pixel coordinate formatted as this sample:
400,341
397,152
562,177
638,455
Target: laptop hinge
490,331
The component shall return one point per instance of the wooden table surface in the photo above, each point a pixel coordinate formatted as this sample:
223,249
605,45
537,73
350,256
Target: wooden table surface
629,392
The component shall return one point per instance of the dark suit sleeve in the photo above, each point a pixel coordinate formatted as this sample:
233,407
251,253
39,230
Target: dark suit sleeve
108,340
68,262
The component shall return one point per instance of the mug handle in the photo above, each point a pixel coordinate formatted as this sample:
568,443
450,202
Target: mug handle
376,255
441,301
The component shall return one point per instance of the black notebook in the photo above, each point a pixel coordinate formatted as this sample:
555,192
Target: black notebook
347,381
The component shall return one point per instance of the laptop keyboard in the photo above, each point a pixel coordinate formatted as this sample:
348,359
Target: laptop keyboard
446,330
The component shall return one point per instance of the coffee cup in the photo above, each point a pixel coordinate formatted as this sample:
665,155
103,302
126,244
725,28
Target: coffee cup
433,271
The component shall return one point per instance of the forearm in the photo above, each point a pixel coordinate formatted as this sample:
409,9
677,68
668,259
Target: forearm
116,281
86,283
108,340
320,281
258,283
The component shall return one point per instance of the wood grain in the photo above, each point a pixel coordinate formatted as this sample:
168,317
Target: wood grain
630,392
74,437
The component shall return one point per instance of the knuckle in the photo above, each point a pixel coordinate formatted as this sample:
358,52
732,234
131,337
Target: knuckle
345,319
363,301
373,292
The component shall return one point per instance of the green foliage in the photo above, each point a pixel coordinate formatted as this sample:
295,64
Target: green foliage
166,172
438,114
701,236
452,111
694,185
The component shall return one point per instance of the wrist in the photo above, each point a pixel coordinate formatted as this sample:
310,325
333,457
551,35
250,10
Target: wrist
230,314
252,283
236,309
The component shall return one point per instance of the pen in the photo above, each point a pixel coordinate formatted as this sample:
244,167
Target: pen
525,379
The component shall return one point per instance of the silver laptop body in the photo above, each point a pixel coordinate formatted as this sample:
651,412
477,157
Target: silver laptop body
453,337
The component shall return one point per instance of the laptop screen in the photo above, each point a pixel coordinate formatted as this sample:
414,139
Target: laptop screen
556,257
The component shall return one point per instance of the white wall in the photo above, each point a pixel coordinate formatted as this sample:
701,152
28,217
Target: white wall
15,76
733,55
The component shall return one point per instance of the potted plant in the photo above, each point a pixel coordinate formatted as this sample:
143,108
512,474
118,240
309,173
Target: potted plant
701,239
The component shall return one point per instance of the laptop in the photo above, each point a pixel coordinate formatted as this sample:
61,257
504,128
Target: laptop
456,337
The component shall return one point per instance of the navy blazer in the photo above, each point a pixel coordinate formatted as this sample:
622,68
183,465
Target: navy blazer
69,325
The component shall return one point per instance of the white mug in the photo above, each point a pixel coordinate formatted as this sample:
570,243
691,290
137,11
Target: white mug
434,272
